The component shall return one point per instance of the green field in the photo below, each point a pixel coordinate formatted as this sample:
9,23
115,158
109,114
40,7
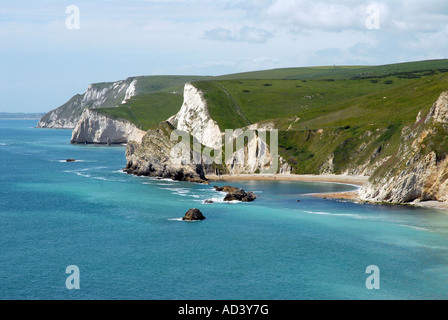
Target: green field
350,113
157,98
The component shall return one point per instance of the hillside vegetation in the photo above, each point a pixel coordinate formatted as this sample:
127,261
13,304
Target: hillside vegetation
349,123
331,119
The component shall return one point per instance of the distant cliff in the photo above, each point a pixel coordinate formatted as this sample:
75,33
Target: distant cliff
419,170
104,95
95,127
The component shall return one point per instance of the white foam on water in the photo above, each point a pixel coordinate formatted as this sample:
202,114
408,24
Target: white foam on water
3,144
355,216
414,227
104,179
318,213
215,200
78,173
175,219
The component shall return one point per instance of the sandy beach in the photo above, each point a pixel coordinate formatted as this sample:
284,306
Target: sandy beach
351,180
328,178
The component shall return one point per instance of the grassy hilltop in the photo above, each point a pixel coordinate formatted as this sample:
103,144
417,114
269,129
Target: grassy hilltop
330,118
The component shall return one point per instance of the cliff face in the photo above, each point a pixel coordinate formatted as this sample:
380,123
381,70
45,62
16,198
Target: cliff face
94,127
153,157
195,119
101,95
256,156
419,171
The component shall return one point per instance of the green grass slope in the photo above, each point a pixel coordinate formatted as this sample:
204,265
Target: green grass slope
343,124
331,119
157,98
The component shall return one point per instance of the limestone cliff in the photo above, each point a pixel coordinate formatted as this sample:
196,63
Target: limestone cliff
419,171
100,95
97,128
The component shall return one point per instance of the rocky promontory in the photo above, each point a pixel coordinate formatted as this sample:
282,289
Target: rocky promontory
153,157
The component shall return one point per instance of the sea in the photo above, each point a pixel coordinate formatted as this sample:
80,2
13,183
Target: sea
126,239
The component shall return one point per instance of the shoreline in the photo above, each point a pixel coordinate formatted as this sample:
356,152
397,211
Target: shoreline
353,196
357,181
327,178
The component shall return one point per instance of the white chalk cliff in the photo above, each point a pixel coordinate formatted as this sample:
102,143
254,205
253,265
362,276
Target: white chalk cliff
254,157
97,128
195,118
100,95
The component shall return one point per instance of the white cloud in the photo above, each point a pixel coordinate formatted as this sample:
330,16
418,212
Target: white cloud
208,37
244,34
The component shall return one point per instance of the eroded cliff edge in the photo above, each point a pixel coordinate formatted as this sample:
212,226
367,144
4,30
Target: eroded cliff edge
419,170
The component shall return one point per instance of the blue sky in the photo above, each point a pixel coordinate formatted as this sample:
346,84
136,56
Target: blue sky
43,64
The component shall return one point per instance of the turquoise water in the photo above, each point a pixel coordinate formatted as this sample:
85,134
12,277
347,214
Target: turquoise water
124,234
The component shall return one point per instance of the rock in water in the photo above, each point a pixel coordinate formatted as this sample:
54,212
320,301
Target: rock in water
70,160
193,215
236,194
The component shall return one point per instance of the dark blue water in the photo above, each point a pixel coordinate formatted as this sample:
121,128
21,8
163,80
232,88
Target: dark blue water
124,234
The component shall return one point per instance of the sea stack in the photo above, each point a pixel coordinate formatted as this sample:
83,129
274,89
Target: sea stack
193,215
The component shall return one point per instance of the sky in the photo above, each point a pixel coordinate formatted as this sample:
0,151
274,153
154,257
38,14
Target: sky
51,50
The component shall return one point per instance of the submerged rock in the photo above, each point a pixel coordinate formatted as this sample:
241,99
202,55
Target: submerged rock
193,215
236,194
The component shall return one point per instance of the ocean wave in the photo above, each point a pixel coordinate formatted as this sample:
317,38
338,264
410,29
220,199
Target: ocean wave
3,144
352,215
177,190
318,213
414,227
348,215
180,220
78,173
175,219
104,179
215,200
